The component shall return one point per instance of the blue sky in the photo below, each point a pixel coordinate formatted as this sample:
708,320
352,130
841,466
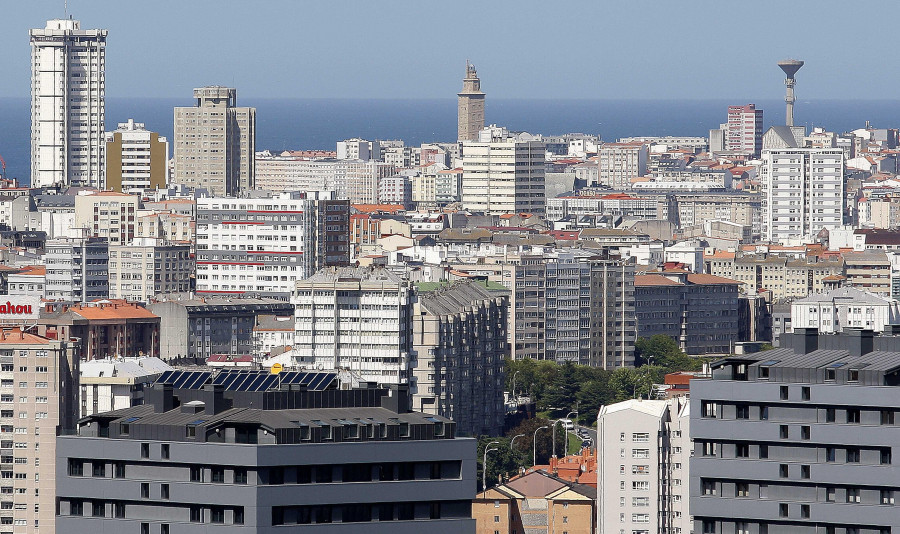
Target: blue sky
523,49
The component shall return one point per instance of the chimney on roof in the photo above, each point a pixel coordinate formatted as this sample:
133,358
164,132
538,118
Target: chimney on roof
806,340
862,341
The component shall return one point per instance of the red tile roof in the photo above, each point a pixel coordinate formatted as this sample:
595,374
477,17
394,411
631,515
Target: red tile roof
113,310
647,280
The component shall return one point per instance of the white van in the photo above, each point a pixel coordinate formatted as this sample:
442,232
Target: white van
568,424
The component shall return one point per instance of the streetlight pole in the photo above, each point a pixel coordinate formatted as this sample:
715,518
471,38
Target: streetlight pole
534,444
513,441
487,449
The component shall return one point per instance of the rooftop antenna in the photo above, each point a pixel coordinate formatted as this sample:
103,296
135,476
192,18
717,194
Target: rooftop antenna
790,68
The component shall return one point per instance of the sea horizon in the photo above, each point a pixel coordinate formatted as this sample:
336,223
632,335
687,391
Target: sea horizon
319,123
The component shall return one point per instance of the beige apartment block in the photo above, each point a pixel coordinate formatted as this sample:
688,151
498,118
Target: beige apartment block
107,214
215,143
148,267
38,401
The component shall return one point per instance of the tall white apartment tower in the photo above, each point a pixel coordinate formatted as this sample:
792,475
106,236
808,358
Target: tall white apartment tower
802,192
68,104
643,453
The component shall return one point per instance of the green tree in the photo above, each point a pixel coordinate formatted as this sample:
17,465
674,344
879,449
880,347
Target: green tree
560,394
664,351
628,383
591,396
501,460
544,440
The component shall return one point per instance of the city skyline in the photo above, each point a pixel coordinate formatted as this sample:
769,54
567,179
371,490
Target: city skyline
327,50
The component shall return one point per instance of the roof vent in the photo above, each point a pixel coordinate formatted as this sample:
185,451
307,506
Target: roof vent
193,407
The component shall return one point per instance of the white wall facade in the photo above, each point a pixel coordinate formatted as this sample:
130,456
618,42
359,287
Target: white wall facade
68,104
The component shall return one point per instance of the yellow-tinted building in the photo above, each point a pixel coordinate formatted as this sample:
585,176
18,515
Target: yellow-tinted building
136,159
539,502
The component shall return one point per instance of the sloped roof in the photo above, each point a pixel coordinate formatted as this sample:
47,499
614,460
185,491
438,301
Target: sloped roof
646,280
655,408
843,293
113,311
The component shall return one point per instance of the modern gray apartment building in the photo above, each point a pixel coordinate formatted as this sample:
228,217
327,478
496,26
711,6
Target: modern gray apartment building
798,441
220,459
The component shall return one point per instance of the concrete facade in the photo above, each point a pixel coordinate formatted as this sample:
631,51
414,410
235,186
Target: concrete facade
197,328
198,466
620,162
39,400
459,338
115,384
355,318
744,130
698,311
77,269
503,173
255,247
802,192
643,449
797,441
68,104
147,267
832,311
136,159
106,214
215,143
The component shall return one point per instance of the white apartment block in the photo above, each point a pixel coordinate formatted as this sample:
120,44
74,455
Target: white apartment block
503,173
255,247
845,307
171,227
147,267
68,104
448,186
215,143
802,192
107,214
359,149
395,189
77,269
643,454
355,180
114,384
620,162
355,318
31,280
38,401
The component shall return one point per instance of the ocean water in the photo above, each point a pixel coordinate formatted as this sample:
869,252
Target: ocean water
303,124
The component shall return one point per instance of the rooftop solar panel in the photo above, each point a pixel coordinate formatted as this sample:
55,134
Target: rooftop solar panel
252,385
197,422
165,377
